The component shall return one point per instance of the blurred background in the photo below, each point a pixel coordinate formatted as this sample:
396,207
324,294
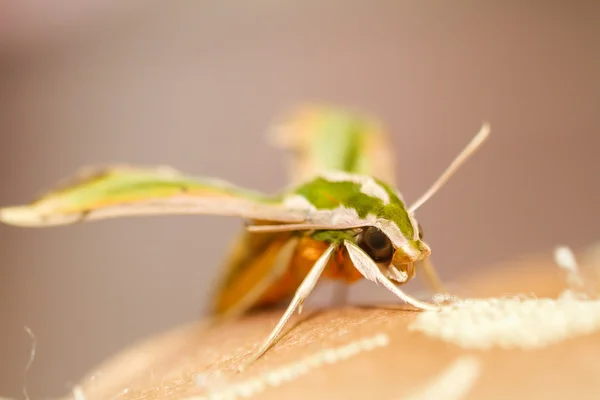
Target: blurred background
196,84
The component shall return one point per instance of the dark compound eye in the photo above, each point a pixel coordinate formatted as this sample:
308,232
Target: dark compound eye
420,232
376,244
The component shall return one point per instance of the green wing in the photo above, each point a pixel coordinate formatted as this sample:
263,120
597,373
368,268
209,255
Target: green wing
121,191
321,138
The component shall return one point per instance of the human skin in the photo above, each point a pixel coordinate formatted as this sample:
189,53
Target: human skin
167,365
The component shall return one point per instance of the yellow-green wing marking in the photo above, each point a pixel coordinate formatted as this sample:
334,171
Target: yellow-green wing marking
123,191
322,138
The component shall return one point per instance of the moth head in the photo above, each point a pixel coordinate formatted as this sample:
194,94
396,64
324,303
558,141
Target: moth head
396,261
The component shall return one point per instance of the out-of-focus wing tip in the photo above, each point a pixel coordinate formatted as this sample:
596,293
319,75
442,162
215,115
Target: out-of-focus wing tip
27,216
20,216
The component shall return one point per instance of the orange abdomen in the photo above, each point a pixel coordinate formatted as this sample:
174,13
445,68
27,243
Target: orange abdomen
307,252
253,258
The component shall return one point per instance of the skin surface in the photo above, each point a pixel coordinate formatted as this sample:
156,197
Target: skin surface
164,366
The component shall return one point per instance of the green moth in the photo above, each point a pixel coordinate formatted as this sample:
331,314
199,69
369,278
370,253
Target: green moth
341,218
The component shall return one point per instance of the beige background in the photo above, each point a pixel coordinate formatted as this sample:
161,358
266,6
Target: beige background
196,84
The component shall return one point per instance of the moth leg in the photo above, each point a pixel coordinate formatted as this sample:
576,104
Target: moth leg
280,266
367,267
432,276
306,287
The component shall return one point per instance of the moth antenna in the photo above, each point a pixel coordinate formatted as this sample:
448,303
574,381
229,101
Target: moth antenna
473,145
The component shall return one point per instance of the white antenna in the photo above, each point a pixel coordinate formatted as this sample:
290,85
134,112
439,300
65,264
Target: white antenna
483,134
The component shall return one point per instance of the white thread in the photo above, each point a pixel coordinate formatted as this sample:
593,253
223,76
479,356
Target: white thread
30,361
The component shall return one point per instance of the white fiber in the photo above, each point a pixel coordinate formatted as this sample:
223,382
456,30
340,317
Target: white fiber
289,372
511,322
516,322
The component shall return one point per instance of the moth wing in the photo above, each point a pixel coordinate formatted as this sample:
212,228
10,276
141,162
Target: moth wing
257,273
321,138
121,191
265,268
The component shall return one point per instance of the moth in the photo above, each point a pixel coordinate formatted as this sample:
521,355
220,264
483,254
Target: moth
341,217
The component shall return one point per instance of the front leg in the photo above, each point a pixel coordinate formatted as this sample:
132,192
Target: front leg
307,286
371,271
